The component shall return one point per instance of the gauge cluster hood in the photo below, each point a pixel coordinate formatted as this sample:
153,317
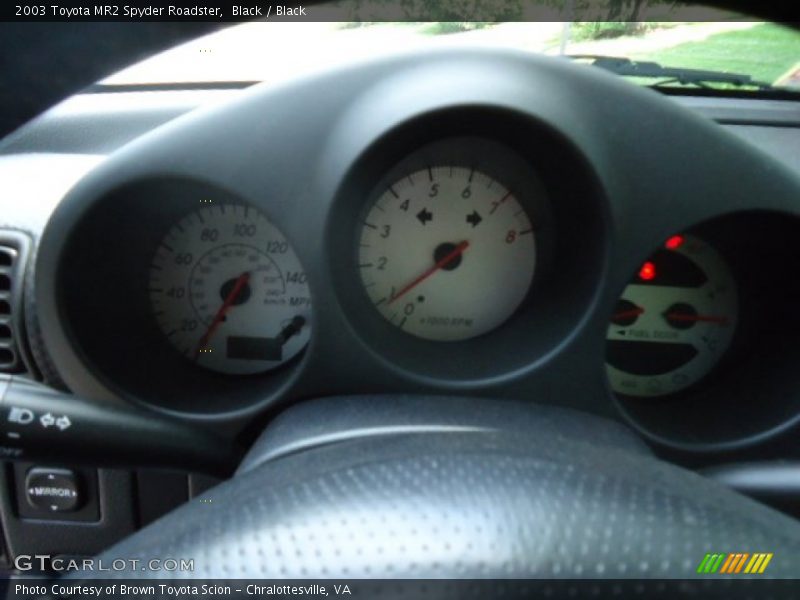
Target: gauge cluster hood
655,169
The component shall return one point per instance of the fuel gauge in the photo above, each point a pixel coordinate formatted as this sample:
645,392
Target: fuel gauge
674,322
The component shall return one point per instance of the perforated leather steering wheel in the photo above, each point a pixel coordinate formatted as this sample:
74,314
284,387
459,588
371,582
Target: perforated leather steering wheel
463,488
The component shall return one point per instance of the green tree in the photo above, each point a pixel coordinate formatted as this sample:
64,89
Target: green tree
463,11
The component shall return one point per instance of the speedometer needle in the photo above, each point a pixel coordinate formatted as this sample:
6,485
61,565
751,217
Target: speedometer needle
238,286
440,264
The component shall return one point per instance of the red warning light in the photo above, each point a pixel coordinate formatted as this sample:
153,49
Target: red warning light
675,242
647,272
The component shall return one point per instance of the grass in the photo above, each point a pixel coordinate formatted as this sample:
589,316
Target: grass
598,30
765,52
447,27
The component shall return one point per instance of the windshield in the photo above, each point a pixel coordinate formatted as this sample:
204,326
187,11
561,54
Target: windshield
760,56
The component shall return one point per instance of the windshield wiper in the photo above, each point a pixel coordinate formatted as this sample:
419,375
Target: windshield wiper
653,70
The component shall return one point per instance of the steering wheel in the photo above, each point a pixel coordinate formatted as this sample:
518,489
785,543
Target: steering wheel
407,486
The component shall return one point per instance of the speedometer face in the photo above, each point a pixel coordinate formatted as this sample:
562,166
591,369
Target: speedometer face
228,291
674,322
447,253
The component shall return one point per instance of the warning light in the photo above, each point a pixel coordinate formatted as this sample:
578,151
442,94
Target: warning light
675,242
647,272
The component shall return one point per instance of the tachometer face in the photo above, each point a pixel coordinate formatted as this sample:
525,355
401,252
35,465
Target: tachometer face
674,322
447,253
228,291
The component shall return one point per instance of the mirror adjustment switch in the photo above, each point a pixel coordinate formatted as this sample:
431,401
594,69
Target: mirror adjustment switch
53,490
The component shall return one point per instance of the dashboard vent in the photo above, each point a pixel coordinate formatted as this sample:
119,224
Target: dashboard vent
13,253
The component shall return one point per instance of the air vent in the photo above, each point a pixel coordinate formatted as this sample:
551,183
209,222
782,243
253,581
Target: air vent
13,253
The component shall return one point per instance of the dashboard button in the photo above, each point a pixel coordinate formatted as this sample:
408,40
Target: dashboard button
51,489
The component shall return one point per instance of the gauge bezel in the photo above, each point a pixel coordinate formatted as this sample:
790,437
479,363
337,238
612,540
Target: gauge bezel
566,203
147,368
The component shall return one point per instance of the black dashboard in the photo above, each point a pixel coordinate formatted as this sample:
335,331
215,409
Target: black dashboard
214,268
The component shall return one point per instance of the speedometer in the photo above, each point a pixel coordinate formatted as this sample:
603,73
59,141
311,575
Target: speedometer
229,292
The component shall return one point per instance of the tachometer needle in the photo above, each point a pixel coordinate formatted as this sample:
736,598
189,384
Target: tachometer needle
238,286
440,264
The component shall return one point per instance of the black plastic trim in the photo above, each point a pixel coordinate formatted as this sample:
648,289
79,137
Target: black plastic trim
19,245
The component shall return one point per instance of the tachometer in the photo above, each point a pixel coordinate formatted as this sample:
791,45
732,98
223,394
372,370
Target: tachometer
228,291
447,253
674,321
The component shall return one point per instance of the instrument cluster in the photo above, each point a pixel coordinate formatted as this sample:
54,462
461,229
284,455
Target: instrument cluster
501,245
467,258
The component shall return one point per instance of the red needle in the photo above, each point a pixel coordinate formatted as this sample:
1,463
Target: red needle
441,263
229,300
703,318
625,314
